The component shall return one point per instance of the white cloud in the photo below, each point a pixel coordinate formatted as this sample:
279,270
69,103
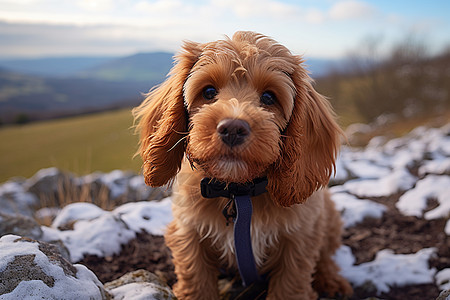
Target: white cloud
315,16
96,5
351,9
161,6
258,8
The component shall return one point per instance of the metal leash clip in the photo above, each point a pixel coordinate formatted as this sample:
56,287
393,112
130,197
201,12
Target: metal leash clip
229,211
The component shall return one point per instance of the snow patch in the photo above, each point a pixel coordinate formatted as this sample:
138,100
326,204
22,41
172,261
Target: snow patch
414,201
150,216
367,169
387,269
138,291
397,181
102,233
443,279
354,210
77,212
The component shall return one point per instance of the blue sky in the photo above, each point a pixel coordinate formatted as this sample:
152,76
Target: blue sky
315,28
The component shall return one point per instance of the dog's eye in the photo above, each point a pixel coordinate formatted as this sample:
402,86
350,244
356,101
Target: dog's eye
268,98
209,92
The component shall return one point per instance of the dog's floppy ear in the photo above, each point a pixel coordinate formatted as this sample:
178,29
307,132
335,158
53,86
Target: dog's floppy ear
310,146
161,121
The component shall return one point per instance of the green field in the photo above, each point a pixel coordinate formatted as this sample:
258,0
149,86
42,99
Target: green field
99,142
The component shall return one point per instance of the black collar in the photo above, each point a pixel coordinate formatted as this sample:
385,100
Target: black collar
212,188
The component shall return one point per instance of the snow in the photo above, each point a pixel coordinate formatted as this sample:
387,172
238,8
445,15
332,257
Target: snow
150,216
387,269
354,210
102,236
137,291
414,201
397,181
443,279
103,233
65,287
447,228
76,212
438,166
367,169
84,285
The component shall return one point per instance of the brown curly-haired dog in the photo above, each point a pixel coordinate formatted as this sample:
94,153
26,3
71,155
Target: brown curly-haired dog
243,108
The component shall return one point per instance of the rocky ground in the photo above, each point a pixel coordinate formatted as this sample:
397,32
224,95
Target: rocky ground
402,234
392,195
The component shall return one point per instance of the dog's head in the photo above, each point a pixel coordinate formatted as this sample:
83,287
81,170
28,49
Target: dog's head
240,108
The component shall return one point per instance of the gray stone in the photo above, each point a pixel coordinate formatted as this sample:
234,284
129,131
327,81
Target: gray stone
140,284
19,225
36,270
14,200
444,295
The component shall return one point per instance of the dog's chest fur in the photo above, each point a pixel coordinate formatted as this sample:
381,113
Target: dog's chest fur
270,223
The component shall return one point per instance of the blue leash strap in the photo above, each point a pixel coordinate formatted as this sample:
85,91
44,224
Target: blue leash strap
243,240
240,209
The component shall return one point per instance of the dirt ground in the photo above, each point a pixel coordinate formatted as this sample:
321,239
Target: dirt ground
394,231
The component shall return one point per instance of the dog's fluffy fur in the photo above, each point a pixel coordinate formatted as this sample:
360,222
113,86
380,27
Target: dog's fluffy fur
295,227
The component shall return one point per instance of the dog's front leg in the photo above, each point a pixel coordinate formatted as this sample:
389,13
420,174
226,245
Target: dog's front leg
291,271
195,267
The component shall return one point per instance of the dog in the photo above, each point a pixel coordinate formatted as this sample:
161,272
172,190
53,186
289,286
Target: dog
234,110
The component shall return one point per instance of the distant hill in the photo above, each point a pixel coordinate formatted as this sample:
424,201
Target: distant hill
42,98
138,67
53,66
151,66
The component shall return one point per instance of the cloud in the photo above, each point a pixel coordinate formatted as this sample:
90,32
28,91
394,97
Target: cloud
31,40
258,8
161,6
96,5
315,16
351,9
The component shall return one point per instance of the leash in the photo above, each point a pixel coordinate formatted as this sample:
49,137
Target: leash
239,209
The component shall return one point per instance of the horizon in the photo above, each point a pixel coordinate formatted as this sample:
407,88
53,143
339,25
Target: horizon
323,29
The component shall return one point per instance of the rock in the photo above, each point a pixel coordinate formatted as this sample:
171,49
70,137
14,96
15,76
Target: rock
19,225
444,295
50,183
141,192
140,284
46,181
14,200
30,270
121,187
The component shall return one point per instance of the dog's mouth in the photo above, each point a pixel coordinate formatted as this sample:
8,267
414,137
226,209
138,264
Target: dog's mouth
229,168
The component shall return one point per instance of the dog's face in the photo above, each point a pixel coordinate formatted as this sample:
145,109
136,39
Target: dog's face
239,97
251,111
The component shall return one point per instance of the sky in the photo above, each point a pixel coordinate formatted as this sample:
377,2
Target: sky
314,28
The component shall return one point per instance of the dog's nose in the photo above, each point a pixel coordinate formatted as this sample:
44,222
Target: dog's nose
233,131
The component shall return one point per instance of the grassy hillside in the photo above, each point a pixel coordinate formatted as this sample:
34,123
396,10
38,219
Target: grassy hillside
101,142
